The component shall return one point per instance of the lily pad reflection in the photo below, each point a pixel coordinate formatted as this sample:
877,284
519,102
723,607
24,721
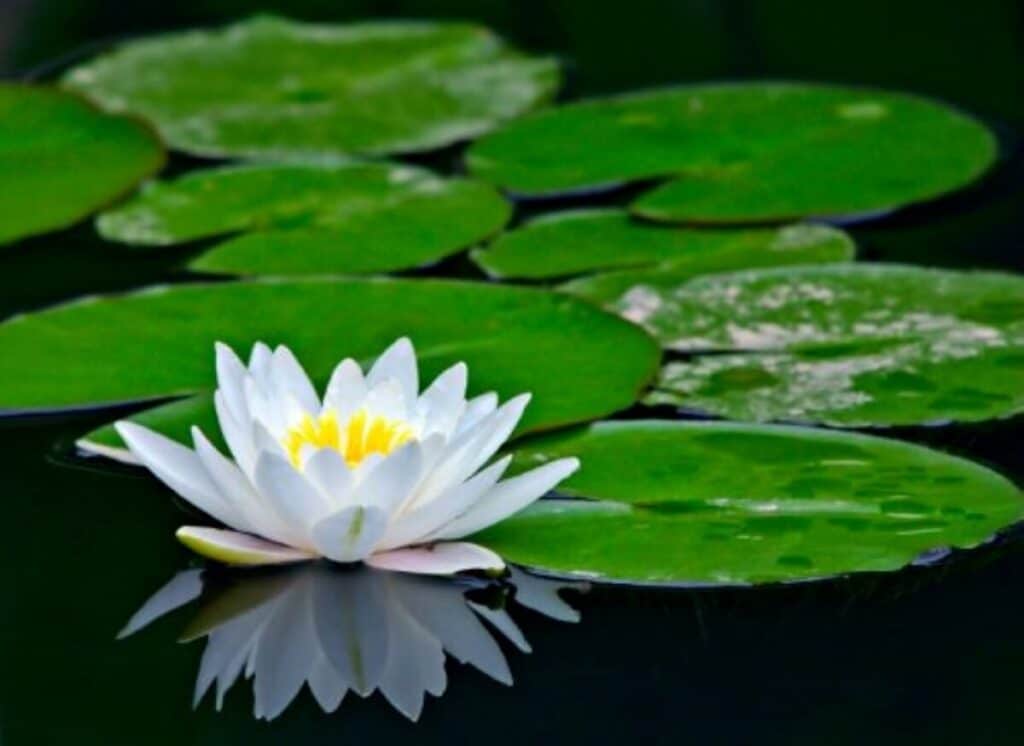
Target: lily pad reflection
343,632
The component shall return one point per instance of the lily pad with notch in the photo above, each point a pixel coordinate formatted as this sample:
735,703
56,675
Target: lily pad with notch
694,504
744,152
311,218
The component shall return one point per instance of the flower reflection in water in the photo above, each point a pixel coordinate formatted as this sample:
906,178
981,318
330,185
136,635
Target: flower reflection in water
342,631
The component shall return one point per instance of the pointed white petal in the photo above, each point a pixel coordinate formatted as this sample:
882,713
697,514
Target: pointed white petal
442,405
446,558
237,433
259,364
421,522
398,362
391,482
179,468
289,377
235,489
264,411
346,390
182,589
509,497
230,375
388,399
476,409
327,470
349,534
297,502
471,450
234,548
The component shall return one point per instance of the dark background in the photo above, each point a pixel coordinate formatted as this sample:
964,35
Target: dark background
930,655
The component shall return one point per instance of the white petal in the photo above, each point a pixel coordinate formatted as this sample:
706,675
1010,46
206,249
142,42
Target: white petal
235,489
346,390
327,470
289,377
509,497
476,409
421,522
182,589
297,502
230,375
391,482
179,468
398,362
235,548
349,534
265,411
388,399
471,449
446,558
259,364
237,433
443,403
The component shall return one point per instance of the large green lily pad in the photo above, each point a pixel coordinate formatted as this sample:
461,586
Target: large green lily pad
730,504
269,87
579,241
848,345
578,361
744,151
61,159
311,218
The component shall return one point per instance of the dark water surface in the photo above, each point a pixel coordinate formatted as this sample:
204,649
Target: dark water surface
930,655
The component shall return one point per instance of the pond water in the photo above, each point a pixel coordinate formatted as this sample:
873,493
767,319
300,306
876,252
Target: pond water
931,654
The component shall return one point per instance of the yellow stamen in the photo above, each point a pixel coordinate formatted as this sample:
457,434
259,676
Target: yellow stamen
355,439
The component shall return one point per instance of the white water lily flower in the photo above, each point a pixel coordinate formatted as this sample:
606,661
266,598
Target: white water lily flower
376,472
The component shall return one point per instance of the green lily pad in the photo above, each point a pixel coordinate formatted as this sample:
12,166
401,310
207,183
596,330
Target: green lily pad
311,218
730,504
745,151
269,87
579,362
61,159
579,241
846,345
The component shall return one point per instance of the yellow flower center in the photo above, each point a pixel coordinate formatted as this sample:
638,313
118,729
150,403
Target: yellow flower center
355,439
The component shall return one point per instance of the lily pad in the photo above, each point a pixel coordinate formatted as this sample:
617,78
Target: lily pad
270,87
579,241
730,504
847,345
311,218
579,362
744,152
61,159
